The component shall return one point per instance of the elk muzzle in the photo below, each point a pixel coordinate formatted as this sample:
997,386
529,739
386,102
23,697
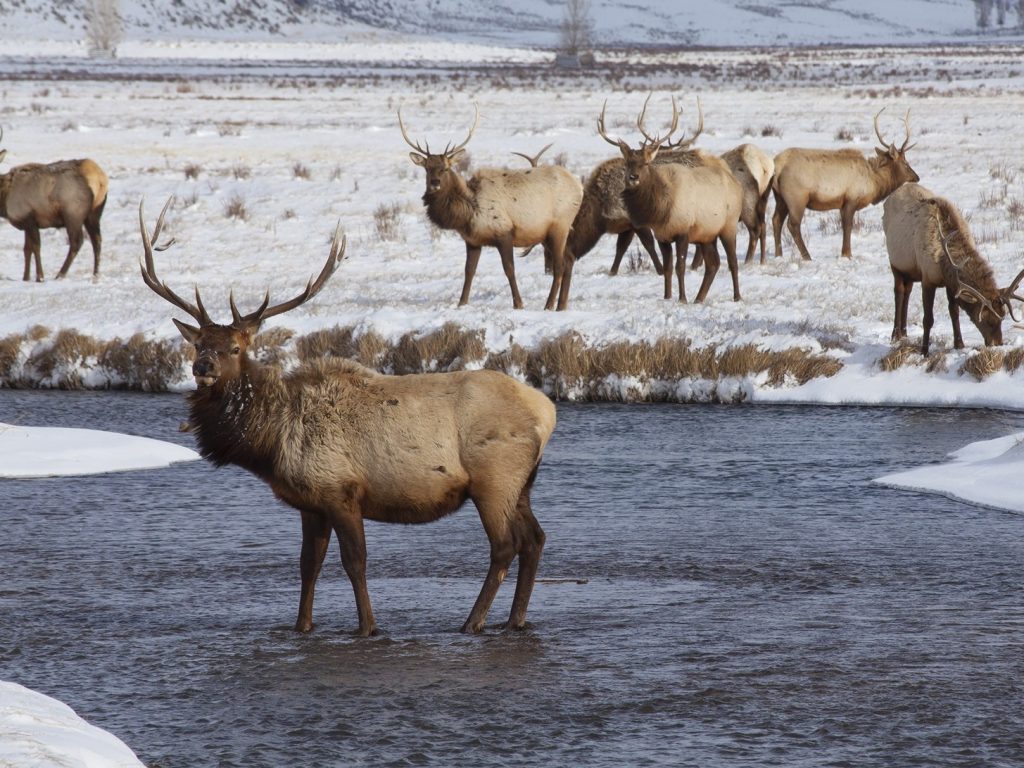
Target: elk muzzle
206,370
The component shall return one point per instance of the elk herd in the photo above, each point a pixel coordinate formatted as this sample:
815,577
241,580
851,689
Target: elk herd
343,444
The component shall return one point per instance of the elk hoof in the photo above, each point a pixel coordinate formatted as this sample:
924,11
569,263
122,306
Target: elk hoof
304,627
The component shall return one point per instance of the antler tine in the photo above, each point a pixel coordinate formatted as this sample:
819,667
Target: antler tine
658,140
878,132
409,141
476,119
534,159
149,268
906,125
312,288
1008,293
640,120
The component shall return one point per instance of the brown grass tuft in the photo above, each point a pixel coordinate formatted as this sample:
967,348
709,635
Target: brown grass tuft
146,364
1014,360
10,354
900,355
269,346
60,363
447,349
983,363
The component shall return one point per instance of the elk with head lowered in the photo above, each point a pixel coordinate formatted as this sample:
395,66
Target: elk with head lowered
827,179
929,242
681,204
499,207
343,444
68,194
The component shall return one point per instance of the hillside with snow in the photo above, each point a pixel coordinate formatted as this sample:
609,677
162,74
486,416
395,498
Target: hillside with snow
528,23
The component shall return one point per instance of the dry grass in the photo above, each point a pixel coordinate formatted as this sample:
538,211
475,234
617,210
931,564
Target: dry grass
144,364
446,349
983,363
301,171
235,208
1013,360
192,170
386,218
60,363
900,355
10,355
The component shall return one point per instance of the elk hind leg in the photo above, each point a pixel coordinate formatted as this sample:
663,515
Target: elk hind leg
530,538
778,219
348,525
92,228
509,265
796,217
712,261
621,246
498,521
75,240
33,247
316,535
762,228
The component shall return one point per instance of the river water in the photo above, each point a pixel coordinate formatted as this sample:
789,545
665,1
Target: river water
725,587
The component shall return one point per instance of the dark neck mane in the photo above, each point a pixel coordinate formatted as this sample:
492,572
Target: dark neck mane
649,205
452,206
230,422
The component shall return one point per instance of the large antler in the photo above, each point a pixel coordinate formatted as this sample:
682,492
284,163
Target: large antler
655,141
534,159
686,143
1008,293
312,288
604,134
892,146
449,151
966,289
197,310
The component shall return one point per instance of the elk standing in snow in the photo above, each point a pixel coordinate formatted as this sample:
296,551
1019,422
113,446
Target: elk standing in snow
827,179
343,444
753,169
929,242
499,207
68,194
682,204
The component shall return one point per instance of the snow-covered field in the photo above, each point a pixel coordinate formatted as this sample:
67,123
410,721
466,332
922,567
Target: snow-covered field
301,154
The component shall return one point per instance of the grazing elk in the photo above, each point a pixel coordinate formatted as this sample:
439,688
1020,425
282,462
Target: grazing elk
827,179
929,242
682,204
343,444
68,194
499,207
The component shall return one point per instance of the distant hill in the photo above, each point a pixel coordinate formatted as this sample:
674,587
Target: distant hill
531,23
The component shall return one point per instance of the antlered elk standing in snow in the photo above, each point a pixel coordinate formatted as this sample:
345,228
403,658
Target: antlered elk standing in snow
344,444
753,169
682,204
500,207
929,242
68,194
826,179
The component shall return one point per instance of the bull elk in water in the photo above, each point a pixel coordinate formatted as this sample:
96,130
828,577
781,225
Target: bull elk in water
929,242
67,194
682,204
499,207
827,179
343,444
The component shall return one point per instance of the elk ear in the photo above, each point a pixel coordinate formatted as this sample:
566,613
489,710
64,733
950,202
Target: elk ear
417,159
190,332
881,152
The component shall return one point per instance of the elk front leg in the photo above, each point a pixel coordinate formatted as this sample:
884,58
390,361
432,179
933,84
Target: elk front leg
954,318
901,297
682,246
647,241
729,243
348,525
472,259
316,535
563,288
667,260
795,219
621,246
846,214
492,505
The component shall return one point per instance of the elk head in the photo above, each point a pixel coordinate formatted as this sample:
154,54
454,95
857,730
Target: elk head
893,158
638,161
986,312
439,167
221,349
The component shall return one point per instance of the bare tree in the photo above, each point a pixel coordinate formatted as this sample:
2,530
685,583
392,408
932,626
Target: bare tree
577,28
104,29
983,13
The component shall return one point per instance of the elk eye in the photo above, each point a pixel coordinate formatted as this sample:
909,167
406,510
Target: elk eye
236,350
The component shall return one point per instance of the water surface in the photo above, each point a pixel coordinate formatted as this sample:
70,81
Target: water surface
751,599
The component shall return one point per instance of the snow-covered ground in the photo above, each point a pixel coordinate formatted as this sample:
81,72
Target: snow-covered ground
40,732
